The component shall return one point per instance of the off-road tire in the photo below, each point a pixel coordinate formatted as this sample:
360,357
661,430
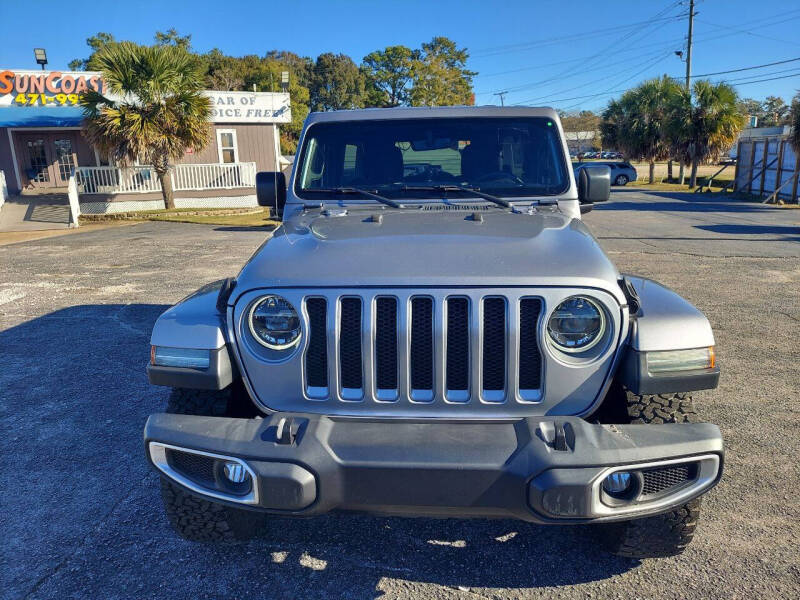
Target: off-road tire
660,408
199,520
205,403
653,537
233,401
662,535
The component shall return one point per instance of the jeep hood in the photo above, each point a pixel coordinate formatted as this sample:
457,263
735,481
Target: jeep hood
434,248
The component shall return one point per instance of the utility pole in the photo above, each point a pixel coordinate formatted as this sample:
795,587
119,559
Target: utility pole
689,47
681,175
502,97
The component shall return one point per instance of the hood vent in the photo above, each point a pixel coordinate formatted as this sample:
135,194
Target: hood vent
461,207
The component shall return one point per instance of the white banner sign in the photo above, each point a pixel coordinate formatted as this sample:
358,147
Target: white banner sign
250,107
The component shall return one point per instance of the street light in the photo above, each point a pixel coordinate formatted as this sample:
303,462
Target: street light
41,56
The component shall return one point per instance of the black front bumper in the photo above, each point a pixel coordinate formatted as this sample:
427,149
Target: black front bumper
542,469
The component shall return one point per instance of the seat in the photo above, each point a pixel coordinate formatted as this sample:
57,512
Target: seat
480,158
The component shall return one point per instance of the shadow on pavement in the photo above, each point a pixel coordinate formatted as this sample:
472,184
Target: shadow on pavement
673,203
740,229
74,397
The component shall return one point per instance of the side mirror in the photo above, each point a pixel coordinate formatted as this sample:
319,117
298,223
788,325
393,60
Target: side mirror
594,184
271,190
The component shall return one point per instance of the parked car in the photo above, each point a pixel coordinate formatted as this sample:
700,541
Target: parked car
443,341
621,172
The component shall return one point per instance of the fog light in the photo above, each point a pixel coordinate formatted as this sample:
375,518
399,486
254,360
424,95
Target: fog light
618,483
235,472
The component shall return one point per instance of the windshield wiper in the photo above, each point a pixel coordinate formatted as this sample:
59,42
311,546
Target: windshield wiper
355,190
460,188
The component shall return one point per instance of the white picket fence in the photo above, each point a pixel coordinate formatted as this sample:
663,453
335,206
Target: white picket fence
3,189
143,179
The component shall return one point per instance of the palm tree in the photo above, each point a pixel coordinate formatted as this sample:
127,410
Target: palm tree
154,111
795,136
708,122
636,123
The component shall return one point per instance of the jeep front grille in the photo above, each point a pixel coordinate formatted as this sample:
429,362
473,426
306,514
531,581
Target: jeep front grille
460,349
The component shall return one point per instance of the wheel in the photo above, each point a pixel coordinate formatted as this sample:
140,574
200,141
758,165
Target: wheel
199,520
621,180
662,535
205,403
233,401
653,537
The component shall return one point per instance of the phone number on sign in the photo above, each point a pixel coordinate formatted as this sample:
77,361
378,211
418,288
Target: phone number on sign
31,99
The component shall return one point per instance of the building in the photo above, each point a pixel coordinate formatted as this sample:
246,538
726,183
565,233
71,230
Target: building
582,141
41,144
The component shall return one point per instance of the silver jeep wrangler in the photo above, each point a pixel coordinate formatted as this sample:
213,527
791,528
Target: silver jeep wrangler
433,331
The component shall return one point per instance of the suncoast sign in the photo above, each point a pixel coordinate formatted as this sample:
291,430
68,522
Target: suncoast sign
63,88
40,88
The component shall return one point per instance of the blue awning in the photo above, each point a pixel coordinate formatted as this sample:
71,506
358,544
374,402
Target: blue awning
41,116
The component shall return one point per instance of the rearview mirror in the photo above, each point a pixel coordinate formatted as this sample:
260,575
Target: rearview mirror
271,190
594,184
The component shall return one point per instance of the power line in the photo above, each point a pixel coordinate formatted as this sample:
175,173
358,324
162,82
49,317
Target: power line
648,63
767,21
495,50
627,78
778,62
525,86
748,32
634,87
570,72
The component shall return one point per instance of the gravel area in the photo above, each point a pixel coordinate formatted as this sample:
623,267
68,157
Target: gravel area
81,512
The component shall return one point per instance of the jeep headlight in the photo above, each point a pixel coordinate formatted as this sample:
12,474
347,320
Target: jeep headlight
274,323
577,324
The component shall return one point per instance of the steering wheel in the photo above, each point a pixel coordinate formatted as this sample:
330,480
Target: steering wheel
499,176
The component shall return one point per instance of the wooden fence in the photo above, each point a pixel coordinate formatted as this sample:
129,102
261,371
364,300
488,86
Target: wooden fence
768,167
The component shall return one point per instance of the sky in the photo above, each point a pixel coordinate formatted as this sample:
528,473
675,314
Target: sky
573,55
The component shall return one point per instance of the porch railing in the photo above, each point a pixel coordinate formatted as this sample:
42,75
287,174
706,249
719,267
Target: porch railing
214,176
143,179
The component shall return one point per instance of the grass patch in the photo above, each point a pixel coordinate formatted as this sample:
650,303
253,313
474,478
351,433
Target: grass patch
248,217
257,219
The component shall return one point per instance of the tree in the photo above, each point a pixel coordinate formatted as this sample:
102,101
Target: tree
388,73
155,110
336,83
776,112
439,75
96,42
222,72
171,37
709,121
637,122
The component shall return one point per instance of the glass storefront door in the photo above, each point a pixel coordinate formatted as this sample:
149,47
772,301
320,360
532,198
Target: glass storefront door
47,159
37,167
64,158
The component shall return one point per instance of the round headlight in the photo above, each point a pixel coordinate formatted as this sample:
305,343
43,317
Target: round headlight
275,323
576,324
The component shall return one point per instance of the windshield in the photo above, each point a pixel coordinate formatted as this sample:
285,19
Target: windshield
400,158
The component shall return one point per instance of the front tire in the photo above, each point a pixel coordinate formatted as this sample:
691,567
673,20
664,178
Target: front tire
666,534
199,520
195,518
204,403
653,537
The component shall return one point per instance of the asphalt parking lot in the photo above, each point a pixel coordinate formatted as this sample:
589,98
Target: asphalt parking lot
81,513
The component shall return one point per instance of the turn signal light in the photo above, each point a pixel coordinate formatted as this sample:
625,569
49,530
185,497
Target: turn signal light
681,360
